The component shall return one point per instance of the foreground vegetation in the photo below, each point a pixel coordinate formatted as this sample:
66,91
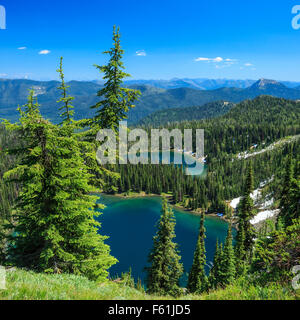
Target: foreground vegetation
27,285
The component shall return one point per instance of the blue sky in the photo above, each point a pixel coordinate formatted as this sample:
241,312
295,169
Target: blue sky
162,39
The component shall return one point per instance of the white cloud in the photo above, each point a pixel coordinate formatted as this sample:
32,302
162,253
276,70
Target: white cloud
44,52
22,48
3,75
248,64
217,59
141,53
202,59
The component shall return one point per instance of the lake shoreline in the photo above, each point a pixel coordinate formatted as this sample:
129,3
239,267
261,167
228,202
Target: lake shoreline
143,194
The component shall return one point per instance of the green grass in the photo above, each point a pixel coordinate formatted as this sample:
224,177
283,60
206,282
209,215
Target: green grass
27,285
250,292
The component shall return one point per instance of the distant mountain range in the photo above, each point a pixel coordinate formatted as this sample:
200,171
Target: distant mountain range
186,97
14,93
201,83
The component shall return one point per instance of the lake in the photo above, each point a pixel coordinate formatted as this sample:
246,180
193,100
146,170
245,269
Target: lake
130,224
191,165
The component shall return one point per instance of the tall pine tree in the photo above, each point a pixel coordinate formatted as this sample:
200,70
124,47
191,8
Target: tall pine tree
216,272
197,281
228,263
240,253
54,229
165,268
115,100
245,241
290,195
67,109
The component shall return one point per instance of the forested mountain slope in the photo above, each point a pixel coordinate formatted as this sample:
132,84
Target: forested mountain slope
250,125
14,93
209,110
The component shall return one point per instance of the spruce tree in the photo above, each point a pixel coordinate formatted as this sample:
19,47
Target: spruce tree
212,281
246,213
116,100
229,267
67,108
240,253
54,229
290,195
197,281
216,272
165,268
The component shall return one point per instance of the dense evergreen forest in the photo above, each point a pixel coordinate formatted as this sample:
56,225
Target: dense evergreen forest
209,110
49,172
260,122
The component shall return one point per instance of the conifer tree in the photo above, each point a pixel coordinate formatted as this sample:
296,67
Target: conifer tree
216,273
212,273
240,253
246,213
115,100
197,281
54,229
165,268
290,195
228,264
67,108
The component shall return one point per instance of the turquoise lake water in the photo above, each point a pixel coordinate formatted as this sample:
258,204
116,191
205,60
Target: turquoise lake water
190,164
130,224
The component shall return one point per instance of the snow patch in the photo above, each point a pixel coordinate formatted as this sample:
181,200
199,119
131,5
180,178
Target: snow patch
254,195
234,203
263,215
266,204
247,154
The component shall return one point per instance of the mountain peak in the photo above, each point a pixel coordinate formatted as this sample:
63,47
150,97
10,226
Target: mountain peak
266,83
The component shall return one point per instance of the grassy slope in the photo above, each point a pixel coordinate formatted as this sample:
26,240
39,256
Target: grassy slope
25,285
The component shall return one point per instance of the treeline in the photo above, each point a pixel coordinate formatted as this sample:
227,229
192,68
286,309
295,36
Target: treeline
252,124
209,110
224,179
259,121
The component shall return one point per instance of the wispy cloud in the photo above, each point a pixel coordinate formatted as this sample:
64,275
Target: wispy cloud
219,62
141,53
44,52
248,64
3,75
217,59
22,48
